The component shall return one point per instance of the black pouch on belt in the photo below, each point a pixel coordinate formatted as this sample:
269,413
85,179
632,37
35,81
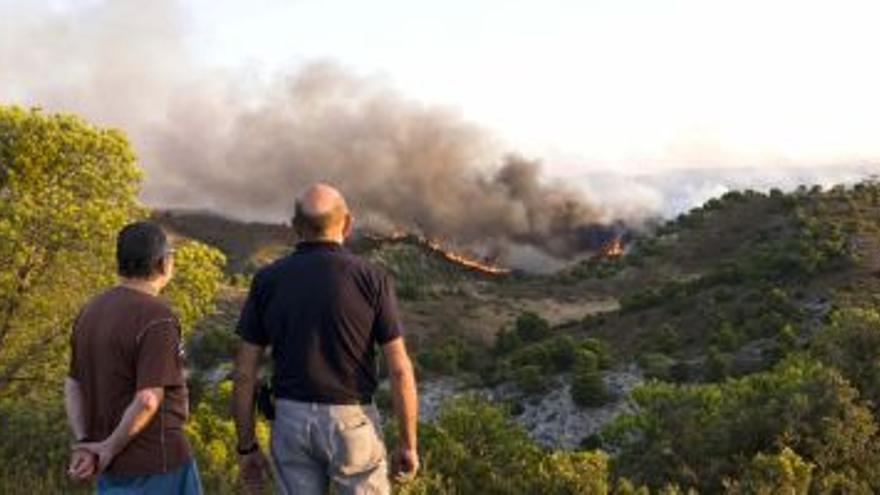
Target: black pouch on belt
265,400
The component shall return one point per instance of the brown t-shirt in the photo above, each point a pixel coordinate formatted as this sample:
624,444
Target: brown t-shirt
123,341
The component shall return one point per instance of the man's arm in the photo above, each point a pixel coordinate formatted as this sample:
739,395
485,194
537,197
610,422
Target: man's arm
82,463
74,404
253,465
247,364
136,417
406,405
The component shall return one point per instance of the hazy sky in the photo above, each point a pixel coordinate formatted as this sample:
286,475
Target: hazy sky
622,83
631,85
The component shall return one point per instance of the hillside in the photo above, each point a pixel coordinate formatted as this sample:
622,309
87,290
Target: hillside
738,287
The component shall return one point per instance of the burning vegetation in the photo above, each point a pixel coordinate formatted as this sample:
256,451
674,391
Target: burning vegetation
485,267
613,248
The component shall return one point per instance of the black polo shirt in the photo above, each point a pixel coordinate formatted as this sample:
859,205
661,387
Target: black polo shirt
323,310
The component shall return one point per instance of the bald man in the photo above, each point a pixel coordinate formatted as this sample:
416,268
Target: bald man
323,312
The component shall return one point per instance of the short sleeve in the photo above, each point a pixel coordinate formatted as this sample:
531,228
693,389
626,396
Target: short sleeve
250,324
159,355
387,325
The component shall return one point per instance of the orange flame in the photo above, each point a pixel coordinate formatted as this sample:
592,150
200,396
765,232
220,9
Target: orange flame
612,248
464,261
436,246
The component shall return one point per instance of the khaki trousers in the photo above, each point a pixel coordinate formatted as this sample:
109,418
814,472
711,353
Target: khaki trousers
317,446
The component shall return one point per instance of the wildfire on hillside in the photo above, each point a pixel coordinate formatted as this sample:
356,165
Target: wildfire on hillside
483,267
613,248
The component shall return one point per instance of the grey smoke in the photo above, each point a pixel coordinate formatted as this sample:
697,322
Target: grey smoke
242,147
209,140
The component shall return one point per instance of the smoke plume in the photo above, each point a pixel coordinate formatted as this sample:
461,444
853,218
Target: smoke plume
211,139
243,146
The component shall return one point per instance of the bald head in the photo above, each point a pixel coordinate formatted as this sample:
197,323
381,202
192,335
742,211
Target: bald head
322,214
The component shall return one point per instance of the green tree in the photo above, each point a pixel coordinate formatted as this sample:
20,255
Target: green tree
66,187
198,275
475,447
785,473
531,327
588,389
697,435
212,434
851,343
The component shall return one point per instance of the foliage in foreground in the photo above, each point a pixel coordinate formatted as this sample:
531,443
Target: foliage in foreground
701,435
66,187
475,447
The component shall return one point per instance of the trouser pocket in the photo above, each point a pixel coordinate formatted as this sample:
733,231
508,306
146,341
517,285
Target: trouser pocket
358,447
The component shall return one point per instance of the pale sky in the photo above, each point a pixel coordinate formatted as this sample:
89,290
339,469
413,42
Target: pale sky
627,84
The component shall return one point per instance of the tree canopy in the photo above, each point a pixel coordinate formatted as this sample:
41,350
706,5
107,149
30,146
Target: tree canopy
66,187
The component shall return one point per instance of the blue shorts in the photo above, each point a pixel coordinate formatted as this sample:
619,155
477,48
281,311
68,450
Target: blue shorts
183,480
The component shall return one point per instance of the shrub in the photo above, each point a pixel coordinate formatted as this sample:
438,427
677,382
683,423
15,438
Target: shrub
727,338
589,390
555,355
657,365
476,447
530,379
717,365
586,360
665,339
602,351
697,435
210,346
530,327
768,474
507,341
851,343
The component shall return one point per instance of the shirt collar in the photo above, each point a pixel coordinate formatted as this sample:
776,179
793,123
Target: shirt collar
305,246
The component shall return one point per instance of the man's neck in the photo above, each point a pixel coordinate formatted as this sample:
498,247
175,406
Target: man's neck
337,240
140,285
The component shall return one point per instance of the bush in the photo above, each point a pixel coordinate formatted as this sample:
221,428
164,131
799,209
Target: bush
507,341
727,338
589,390
851,343
530,327
601,350
657,365
717,365
35,448
211,346
697,435
211,433
665,339
476,447
449,357
530,379
785,472
586,360
555,355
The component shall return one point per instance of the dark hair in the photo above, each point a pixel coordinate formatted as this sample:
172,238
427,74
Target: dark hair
140,248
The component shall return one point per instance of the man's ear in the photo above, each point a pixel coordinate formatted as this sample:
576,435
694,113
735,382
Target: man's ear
349,225
166,265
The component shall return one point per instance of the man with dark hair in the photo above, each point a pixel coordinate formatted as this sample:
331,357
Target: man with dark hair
125,394
324,311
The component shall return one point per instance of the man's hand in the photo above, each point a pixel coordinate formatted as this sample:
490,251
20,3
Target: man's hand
406,463
252,469
102,450
83,465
